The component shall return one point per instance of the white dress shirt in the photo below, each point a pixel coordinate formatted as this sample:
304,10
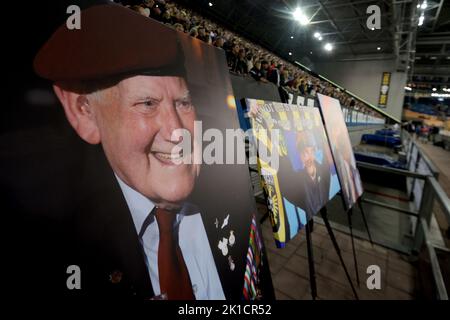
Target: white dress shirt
193,243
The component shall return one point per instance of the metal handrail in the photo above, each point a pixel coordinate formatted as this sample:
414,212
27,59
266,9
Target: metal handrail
435,268
432,191
441,196
433,169
430,164
401,172
437,193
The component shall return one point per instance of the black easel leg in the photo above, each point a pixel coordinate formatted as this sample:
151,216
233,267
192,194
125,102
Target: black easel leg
312,273
349,215
264,218
323,213
365,221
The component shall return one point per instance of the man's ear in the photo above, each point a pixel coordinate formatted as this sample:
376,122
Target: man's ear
79,113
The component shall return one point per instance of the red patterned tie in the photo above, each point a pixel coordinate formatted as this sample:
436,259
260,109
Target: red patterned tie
173,274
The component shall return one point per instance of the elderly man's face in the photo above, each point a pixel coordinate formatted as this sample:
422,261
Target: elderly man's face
307,155
136,119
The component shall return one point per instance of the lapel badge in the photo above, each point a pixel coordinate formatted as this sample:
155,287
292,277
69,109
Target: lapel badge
115,276
216,223
162,296
223,245
231,263
232,238
225,222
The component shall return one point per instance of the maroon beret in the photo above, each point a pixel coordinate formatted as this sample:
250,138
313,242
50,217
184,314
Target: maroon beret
113,41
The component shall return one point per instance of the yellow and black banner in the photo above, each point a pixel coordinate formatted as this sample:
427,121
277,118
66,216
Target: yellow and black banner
384,89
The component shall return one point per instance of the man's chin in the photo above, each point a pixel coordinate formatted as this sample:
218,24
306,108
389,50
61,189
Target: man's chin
169,206
173,204
170,199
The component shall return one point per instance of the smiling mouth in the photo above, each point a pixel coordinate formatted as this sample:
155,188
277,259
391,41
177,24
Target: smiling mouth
169,158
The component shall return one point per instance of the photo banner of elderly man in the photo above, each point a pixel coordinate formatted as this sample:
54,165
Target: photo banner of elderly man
305,179
341,147
97,187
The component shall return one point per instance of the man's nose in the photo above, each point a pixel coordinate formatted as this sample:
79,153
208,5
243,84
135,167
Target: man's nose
170,121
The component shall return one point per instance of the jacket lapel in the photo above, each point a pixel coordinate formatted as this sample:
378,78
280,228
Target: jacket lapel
108,232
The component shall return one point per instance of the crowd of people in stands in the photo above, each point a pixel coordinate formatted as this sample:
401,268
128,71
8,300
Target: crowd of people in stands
243,57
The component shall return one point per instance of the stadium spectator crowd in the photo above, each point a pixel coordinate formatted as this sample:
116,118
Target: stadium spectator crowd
244,58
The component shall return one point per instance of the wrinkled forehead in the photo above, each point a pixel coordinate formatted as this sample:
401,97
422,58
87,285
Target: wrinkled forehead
156,85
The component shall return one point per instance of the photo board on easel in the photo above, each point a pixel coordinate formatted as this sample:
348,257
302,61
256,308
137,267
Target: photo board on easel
298,174
341,149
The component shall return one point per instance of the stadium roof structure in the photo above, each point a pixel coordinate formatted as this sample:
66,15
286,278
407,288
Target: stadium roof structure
421,51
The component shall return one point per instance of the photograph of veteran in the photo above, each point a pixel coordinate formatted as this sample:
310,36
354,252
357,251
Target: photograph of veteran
129,97
305,177
345,159
342,150
315,176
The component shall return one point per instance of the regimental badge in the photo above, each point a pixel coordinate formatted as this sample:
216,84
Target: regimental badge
231,263
231,238
223,246
225,221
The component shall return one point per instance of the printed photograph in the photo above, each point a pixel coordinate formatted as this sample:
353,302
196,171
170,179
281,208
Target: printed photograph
304,178
341,148
95,186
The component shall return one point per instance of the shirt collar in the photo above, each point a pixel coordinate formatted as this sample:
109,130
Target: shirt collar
140,206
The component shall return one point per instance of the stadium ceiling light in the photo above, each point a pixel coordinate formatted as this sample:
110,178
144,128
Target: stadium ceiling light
408,88
290,53
441,95
210,4
378,48
424,5
300,16
434,89
292,37
316,35
328,46
421,19
320,38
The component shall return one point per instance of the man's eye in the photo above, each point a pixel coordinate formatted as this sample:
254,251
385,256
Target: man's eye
148,103
184,104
